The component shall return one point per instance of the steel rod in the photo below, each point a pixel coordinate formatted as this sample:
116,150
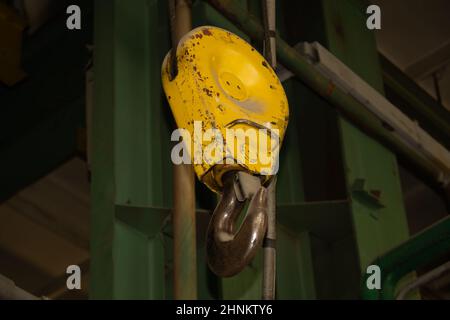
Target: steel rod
423,280
183,216
269,244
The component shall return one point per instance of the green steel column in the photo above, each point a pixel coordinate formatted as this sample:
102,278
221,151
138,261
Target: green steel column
379,221
102,187
295,278
131,176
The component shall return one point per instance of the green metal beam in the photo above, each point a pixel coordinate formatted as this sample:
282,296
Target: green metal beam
418,251
381,223
131,160
103,184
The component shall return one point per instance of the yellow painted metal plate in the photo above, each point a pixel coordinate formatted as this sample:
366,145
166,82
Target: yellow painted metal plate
224,83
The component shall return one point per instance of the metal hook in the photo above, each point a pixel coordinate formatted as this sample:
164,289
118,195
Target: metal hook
228,250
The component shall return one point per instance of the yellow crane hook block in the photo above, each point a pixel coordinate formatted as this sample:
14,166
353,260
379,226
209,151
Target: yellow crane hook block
228,103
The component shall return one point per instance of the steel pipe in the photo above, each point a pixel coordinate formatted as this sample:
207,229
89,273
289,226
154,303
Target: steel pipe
183,216
269,244
423,280
269,18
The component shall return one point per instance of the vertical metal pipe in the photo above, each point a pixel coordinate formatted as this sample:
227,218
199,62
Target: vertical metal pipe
269,20
184,234
269,244
183,217
423,280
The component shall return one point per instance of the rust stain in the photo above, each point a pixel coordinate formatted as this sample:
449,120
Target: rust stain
206,32
208,92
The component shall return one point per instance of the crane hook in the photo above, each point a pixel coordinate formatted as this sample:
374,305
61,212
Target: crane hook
228,250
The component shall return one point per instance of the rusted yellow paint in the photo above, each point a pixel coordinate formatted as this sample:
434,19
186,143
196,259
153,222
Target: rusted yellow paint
225,83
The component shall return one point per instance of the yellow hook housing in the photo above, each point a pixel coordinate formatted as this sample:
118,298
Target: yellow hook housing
225,83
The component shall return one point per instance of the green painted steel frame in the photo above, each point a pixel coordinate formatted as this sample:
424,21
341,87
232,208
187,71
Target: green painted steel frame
131,167
377,229
130,161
